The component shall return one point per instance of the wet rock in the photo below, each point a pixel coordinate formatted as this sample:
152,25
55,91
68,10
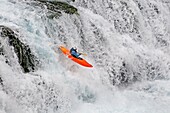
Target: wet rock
26,59
1,81
63,6
56,8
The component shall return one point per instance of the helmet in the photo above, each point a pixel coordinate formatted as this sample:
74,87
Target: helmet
75,48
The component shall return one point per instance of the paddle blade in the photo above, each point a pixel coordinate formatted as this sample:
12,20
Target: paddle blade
84,54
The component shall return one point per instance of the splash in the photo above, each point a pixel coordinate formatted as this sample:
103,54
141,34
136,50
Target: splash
127,42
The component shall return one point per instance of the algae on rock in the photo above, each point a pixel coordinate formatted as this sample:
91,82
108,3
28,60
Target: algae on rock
57,7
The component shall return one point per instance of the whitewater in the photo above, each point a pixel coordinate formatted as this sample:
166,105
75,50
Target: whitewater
126,41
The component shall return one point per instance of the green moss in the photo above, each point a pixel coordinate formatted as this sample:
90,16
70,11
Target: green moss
57,6
64,6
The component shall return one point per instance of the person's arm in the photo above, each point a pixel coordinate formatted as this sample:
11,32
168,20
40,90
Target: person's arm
71,50
83,54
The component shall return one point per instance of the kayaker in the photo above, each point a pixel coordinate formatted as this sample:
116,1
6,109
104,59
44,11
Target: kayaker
74,52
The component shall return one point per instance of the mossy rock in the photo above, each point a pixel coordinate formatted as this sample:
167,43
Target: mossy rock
26,59
57,6
64,6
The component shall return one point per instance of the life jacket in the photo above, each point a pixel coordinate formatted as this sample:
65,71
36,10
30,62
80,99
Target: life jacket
74,53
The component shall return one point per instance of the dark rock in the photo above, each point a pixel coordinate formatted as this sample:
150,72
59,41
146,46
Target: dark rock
26,59
1,81
56,8
64,6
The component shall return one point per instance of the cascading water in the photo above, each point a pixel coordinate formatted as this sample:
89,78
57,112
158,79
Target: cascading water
127,42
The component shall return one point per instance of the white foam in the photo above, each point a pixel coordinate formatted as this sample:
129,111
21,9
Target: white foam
60,85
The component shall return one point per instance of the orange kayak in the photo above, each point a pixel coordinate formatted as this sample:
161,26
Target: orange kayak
77,60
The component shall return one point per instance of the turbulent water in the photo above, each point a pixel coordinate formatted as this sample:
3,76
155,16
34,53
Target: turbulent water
127,42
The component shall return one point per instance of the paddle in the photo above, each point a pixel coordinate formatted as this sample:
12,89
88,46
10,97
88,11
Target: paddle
50,44
83,54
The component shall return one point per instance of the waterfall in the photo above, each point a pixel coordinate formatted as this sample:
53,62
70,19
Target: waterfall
126,41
